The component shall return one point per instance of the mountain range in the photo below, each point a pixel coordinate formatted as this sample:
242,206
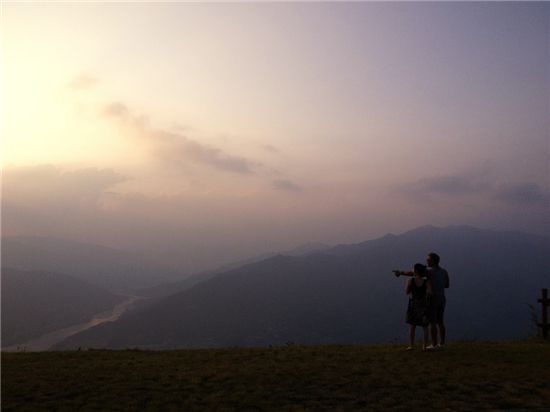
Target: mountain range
116,270
38,302
166,289
345,294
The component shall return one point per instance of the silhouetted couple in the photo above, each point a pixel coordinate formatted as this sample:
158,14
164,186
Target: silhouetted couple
427,301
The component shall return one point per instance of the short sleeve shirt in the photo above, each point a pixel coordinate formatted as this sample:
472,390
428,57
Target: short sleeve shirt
438,277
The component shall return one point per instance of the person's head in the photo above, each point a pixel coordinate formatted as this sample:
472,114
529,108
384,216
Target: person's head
432,259
419,269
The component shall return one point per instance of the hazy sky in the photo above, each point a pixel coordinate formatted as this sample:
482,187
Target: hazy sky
205,133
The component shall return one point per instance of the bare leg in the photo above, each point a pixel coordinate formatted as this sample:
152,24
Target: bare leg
412,330
442,333
425,342
433,328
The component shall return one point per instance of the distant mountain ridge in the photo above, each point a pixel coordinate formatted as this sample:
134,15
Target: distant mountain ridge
37,302
115,270
166,289
435,235
345,294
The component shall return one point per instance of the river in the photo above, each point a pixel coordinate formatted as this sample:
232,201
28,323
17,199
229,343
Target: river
46,341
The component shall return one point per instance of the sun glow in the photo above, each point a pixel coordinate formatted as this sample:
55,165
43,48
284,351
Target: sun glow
47,117
47,120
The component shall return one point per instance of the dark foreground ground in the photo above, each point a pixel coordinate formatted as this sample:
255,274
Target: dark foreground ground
465,376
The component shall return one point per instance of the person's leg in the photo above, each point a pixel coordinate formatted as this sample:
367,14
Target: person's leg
412,331
425,342
440,323
442,333
433,330
431,315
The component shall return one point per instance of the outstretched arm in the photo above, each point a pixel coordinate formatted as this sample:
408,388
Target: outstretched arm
402,273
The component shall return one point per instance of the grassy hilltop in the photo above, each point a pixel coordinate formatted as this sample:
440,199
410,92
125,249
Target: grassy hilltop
465,376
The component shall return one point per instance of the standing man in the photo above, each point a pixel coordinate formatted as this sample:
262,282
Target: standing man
439,279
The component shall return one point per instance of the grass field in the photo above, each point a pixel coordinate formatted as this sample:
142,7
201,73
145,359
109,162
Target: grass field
464,376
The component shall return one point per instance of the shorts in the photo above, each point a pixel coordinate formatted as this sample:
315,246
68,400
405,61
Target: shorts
437,308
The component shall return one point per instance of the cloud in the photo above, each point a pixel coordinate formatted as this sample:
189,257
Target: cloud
122,112
269,148
287,185
175,150
178,149
116,109
47,200
458,186
450,185
83,81
523,194
86,178
47,186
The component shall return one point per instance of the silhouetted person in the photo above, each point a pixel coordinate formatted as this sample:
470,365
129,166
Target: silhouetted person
439,279
418,289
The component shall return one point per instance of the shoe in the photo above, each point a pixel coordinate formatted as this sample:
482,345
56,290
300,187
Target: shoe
431,348
409,348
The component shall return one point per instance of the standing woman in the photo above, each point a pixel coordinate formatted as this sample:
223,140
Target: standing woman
418,289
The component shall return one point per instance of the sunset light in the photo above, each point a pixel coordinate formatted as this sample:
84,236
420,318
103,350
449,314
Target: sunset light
332,200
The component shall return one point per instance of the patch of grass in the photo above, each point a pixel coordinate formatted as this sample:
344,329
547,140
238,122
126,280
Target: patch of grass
465,376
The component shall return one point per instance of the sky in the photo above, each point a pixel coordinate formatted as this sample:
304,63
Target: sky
204,133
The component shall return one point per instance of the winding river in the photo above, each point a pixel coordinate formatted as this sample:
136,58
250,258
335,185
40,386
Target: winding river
46,341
